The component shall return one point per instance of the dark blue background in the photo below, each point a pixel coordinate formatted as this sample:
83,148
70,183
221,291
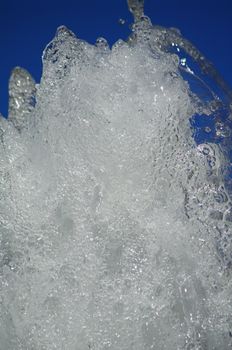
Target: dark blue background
27,26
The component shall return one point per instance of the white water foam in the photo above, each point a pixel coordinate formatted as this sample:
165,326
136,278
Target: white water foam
115,225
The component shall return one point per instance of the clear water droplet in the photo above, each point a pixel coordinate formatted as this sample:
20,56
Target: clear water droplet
102,43
208,129
121,21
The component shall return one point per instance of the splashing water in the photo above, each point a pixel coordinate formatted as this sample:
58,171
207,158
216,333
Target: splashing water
136,8
116,198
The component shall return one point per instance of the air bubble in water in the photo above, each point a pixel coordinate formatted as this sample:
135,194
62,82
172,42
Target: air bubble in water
115,220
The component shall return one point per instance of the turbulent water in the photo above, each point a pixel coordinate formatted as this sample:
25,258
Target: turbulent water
115,215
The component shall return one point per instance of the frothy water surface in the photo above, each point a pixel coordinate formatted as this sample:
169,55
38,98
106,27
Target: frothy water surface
115,198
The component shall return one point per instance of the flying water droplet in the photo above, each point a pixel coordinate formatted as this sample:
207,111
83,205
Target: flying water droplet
121,21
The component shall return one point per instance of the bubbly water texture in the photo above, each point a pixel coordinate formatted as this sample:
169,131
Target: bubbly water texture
115,224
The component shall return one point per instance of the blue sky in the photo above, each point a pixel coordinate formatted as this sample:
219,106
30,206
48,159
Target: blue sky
27,26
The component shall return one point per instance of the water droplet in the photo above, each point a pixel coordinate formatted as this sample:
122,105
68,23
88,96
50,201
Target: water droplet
102,43
121,21
208,129
183,61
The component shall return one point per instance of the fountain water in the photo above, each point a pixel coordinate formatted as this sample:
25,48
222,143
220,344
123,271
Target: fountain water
115,205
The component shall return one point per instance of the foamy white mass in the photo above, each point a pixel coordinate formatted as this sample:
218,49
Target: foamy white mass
115,224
